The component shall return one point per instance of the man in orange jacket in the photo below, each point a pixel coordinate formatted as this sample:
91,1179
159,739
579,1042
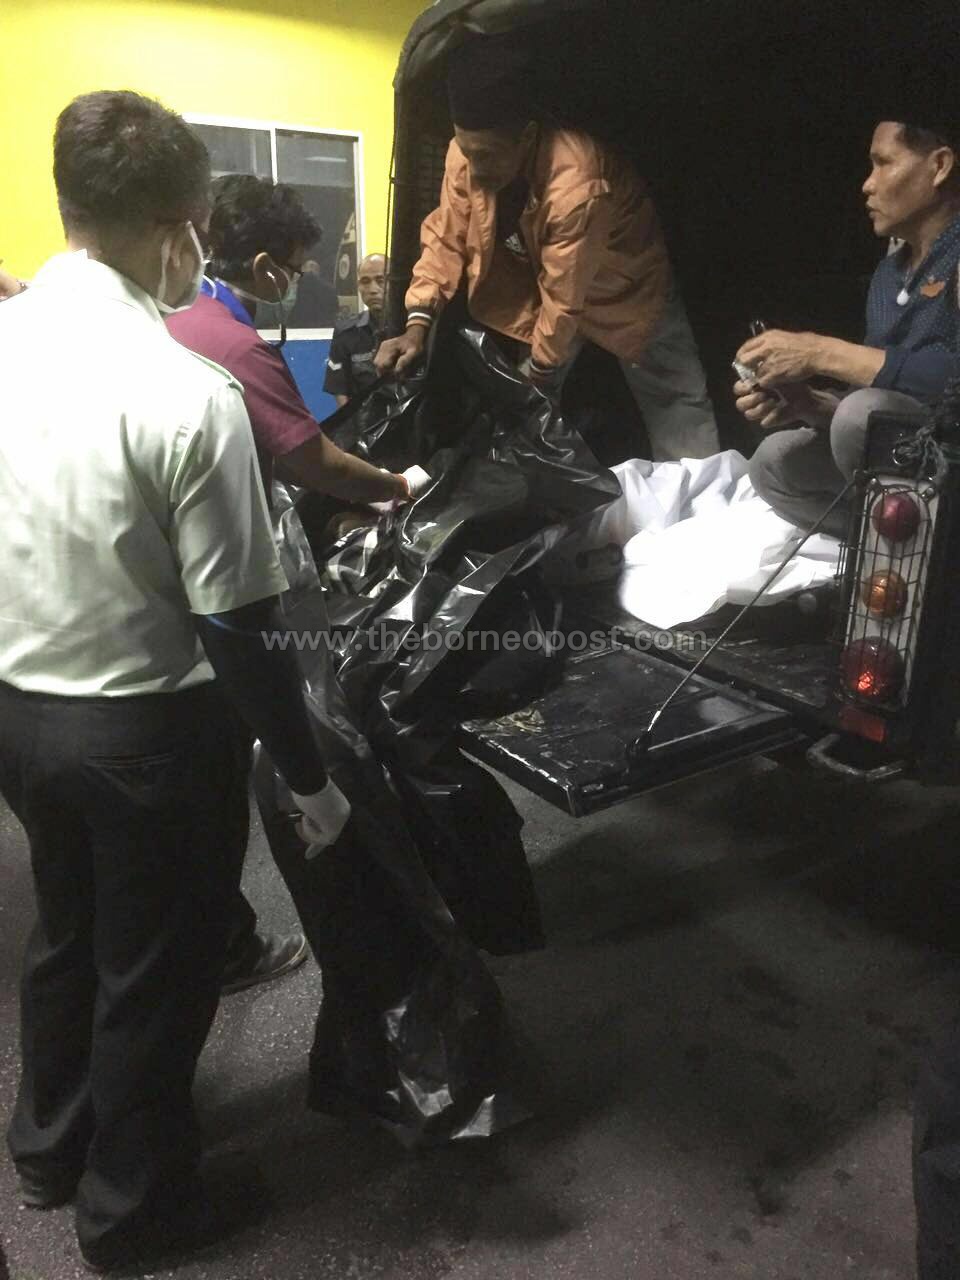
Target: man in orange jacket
559,243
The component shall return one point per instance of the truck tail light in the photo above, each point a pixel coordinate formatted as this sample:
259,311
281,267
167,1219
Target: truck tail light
873,669
896,516
885,593
886,569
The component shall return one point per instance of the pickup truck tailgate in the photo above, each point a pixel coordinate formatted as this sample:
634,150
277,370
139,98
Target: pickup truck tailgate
570,746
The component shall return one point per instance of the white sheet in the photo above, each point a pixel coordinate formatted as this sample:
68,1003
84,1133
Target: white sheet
678,568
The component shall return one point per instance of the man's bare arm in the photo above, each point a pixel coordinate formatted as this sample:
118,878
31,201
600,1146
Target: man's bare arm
319,464
849,362
782,357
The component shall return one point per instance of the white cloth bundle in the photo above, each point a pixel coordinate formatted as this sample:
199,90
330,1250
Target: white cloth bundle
696,536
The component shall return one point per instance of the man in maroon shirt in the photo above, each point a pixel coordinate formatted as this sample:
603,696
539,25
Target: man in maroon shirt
259,237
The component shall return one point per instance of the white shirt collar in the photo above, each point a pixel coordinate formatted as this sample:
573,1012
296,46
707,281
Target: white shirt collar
75,272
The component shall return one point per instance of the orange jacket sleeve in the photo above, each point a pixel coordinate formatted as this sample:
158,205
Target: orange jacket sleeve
443,242
569,260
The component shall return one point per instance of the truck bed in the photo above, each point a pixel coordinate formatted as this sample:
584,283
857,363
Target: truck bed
769,687
775,652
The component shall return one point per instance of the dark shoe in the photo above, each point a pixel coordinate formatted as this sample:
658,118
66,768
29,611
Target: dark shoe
165,1241
269,956
193,1218
46,1193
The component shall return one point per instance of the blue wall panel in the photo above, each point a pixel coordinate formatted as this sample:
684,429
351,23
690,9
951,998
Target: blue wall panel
307,361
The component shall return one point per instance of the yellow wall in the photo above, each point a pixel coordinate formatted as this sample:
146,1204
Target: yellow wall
320,63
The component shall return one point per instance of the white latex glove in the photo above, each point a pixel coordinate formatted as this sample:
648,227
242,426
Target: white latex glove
325,814
417,480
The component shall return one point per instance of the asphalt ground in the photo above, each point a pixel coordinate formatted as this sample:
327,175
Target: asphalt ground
744,972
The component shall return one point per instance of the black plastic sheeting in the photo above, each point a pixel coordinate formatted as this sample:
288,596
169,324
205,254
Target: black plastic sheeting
430,869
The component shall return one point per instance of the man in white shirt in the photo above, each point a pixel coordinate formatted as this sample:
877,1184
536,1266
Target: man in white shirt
134,523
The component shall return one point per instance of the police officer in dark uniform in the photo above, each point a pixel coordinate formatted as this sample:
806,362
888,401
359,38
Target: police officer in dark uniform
355,341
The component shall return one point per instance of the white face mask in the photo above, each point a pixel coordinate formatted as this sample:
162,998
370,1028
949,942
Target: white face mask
192,291
286,300
289,299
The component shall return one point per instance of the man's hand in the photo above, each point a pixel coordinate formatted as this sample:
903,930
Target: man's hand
761,407
417,481
398,354
325,814
795,403
10,286
549,381
779,356
411,483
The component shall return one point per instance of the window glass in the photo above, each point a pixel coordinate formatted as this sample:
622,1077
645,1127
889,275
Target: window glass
235,150
322,168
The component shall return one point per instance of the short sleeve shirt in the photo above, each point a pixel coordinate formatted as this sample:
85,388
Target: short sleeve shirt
914,317
350,366
130,492
217,327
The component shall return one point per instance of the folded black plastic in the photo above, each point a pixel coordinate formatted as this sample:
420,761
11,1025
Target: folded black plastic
403,644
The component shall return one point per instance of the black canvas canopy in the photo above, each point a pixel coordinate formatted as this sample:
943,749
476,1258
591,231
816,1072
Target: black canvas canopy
751,121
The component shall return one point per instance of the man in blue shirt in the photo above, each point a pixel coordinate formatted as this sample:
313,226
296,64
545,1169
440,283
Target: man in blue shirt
908,354
350,368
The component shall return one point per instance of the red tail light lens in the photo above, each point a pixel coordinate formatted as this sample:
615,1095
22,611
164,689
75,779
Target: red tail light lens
885,594
896,517
873,668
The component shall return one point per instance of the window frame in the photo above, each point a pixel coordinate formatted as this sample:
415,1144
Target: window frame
271,127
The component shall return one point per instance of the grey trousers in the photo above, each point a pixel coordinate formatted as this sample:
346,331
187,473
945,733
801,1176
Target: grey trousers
670,388
799,472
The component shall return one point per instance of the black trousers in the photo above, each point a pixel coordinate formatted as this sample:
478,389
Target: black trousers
130,807
936,1161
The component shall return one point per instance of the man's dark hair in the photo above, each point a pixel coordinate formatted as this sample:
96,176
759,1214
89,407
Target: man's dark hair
120,159
489,84
254,215
924,140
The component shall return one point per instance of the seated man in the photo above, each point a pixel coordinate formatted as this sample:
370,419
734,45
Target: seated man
558,241
350,368
908,354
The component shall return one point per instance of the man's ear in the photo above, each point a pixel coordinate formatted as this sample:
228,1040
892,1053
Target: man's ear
944,160
178,244
265,271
